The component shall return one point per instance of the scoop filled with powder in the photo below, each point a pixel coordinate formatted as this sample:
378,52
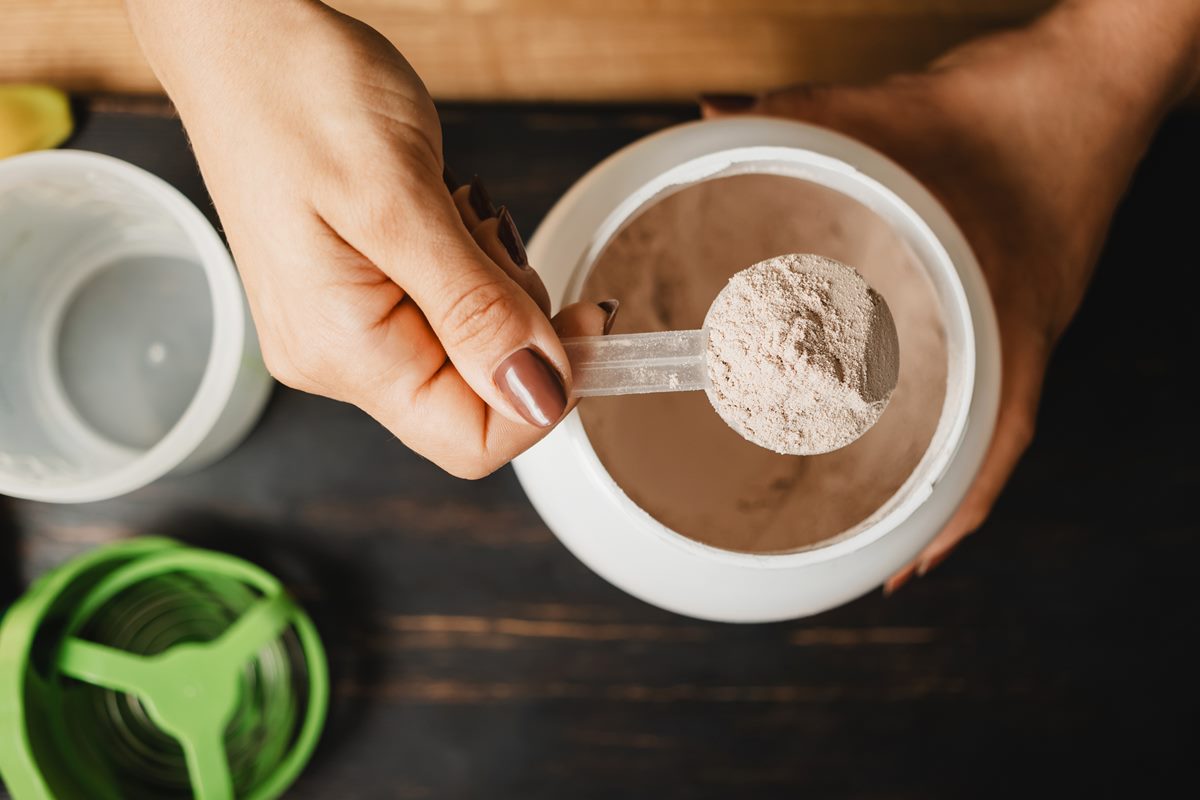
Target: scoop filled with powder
802,354
798,355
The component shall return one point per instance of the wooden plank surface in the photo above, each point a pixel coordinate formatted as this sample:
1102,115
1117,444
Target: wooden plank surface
474,657
558,49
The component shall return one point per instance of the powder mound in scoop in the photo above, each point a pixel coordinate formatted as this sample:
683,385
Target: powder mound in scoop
802,354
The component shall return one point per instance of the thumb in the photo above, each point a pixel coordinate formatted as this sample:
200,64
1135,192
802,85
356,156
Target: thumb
493,332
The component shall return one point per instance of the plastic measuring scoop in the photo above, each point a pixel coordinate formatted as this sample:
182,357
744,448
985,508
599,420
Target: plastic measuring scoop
638,363
678,361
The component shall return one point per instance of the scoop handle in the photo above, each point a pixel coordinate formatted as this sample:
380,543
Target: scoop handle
638,363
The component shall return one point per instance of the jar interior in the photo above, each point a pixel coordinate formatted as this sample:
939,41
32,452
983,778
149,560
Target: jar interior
106,325
671,453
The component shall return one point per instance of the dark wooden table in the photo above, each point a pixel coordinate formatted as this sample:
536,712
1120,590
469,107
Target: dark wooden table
473,657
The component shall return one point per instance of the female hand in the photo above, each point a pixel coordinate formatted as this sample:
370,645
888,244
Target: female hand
1028,138
368,281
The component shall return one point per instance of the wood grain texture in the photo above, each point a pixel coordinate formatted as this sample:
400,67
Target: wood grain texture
560,50
474,657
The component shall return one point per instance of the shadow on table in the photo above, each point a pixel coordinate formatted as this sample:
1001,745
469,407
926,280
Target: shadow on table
10,566
329,587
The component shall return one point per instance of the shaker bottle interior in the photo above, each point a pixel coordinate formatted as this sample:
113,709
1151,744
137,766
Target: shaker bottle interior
106,324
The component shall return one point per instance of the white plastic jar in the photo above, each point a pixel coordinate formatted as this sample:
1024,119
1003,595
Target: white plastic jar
127,351
596,520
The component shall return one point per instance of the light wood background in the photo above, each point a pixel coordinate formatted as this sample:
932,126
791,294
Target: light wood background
557,49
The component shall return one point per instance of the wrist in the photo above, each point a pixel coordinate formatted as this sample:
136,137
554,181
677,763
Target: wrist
195,45
1145,54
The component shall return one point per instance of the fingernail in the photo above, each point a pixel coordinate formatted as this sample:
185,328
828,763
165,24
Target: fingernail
534,387
610,308
510,237
928,564
449,178
729,102
481,204
899,579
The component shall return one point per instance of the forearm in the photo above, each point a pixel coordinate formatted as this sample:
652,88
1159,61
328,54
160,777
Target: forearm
194,45
1142,54
1086,88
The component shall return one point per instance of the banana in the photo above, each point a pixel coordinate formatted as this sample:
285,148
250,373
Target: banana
32,118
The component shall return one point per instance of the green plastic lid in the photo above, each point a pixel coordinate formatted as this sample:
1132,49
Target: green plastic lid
151,669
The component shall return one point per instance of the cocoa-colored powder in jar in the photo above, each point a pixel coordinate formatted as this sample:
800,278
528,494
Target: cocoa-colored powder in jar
671,453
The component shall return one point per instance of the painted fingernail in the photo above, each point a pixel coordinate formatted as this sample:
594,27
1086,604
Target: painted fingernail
534,387
899,579
481,204
729,102
510,237
449,178
929,563
610,308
